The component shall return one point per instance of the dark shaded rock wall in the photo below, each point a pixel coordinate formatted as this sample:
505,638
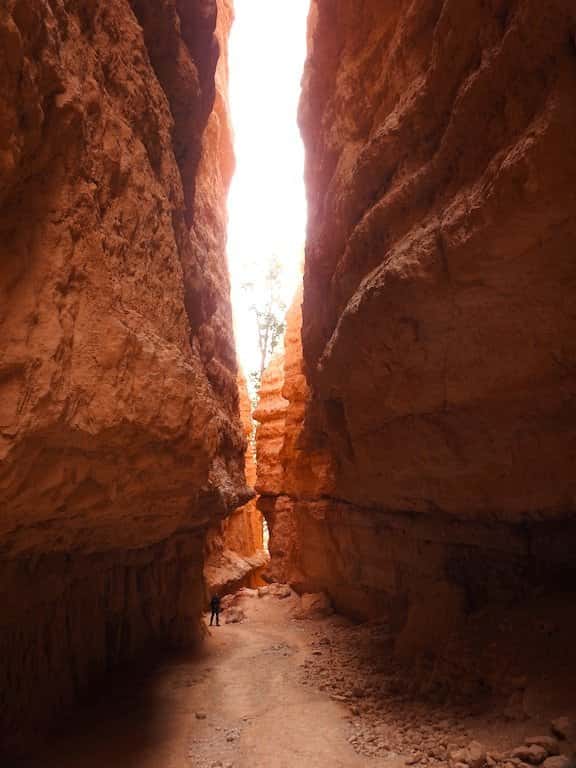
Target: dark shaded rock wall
120,438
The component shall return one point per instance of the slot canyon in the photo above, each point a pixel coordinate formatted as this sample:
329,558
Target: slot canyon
415,448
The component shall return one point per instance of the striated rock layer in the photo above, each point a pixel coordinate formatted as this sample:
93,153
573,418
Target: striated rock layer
438,314
120,442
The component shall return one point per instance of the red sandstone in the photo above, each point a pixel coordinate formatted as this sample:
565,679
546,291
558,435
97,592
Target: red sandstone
120,438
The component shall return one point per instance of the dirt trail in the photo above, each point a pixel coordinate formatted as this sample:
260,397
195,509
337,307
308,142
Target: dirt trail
275,692
247,682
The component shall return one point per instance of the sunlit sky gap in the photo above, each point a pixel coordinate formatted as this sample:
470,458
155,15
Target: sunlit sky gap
266,205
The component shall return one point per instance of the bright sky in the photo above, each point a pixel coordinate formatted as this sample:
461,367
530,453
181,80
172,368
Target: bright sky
267,205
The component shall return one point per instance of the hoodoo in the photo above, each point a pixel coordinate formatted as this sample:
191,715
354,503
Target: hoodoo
429,424
120,438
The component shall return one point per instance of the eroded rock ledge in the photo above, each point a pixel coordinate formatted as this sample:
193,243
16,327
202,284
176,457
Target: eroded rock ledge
120,439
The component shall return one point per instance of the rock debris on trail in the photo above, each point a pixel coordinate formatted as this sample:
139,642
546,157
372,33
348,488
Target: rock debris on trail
241,703
274,690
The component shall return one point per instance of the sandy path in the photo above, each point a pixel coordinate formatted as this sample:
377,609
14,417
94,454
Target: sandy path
247,684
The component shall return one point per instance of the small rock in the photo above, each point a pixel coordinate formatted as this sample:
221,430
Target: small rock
200,715
533,754
234,615
549,743
457,756
313,606
279,590
474,756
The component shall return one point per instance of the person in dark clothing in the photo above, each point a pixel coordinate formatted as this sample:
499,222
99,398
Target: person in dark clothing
215,608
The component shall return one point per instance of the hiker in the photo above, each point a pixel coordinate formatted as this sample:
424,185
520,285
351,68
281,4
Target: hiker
215,608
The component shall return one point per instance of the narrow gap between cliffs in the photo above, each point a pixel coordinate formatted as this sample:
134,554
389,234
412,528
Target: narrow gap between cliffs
267,200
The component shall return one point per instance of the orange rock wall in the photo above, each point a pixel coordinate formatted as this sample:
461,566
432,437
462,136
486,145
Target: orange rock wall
271,415
120,440
235,551
428,459
308,470
288,469
438,324
422,571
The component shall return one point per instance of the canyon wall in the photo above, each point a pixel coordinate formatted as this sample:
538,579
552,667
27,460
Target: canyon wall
438,314
270,434
288,471
120,438
235,552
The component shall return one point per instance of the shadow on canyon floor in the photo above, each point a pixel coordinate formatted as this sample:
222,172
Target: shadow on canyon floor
279,691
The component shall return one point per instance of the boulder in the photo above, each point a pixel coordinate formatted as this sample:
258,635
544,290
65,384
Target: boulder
473,756
281,591
314,606
549,743
234,615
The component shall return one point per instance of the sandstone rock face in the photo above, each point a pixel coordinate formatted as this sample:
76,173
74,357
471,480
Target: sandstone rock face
438,314
271,415
439,287
120,441
308,470
270,435
287,469
235,551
